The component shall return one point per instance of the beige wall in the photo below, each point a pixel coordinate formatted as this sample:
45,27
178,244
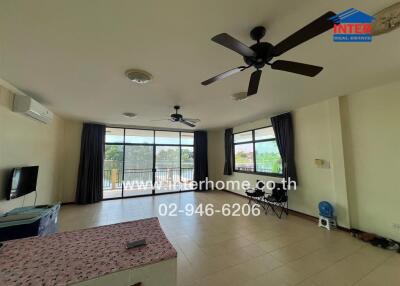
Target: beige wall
72,147
318,137
313,132
54,147
358,136
372,151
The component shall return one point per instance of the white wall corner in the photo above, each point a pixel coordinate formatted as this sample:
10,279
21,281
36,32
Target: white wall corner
338,163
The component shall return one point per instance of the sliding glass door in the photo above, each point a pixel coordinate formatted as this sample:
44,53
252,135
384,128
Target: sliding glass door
113,163
138,170
187,167
113,170
168,173
144,162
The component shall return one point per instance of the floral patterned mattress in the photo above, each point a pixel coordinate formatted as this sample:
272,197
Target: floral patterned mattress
75,256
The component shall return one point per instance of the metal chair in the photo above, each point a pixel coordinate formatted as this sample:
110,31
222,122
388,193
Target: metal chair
256,194
278,199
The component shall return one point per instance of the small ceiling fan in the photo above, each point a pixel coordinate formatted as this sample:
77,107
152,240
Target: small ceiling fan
261,53
176,117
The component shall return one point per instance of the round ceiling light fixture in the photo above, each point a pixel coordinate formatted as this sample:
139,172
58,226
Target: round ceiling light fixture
138,76
129,114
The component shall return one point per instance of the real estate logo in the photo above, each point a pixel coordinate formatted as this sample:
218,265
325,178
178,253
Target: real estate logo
352,26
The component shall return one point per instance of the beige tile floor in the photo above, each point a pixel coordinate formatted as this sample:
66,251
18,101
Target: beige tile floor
248,251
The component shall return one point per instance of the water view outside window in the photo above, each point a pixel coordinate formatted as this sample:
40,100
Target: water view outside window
256,151
144,162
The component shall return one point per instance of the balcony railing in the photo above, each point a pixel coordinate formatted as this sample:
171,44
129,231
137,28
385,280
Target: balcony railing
112,179
244,167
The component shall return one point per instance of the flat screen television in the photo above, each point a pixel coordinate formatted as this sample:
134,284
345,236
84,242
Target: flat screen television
22,181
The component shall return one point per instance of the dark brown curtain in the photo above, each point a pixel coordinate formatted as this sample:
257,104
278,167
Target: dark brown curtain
90,175
228,167
200,159
283,128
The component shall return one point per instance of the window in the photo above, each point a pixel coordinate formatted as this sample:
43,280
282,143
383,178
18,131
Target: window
139,136
113,167
244,157
187,138
243,137
145,162
115,135
256,151
167,137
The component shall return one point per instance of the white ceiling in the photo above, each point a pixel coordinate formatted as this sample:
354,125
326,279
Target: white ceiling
72,54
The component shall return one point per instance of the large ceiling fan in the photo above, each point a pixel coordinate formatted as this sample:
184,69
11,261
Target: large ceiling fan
176,117
261,53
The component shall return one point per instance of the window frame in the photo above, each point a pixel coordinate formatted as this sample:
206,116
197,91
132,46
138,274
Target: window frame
253,141
154,144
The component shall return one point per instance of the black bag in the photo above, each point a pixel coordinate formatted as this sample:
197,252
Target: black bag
278,194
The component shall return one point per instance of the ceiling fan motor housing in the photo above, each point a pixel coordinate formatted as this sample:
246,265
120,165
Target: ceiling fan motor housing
176,117
263,55
263,50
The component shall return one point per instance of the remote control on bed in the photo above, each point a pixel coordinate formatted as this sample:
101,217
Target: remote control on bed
136,243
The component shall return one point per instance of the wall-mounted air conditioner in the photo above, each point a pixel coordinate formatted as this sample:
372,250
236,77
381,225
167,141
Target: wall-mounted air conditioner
30,107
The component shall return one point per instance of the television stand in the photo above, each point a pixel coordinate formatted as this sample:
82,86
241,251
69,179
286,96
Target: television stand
43,206
29,221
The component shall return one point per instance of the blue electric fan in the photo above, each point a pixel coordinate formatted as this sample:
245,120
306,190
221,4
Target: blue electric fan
325,209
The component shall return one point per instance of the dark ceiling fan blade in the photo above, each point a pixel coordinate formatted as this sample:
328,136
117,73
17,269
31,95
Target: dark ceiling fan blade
231,43
187,123
318,26
254,81
224,75
299,68
191,120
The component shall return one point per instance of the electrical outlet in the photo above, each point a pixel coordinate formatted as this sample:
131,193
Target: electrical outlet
396,226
